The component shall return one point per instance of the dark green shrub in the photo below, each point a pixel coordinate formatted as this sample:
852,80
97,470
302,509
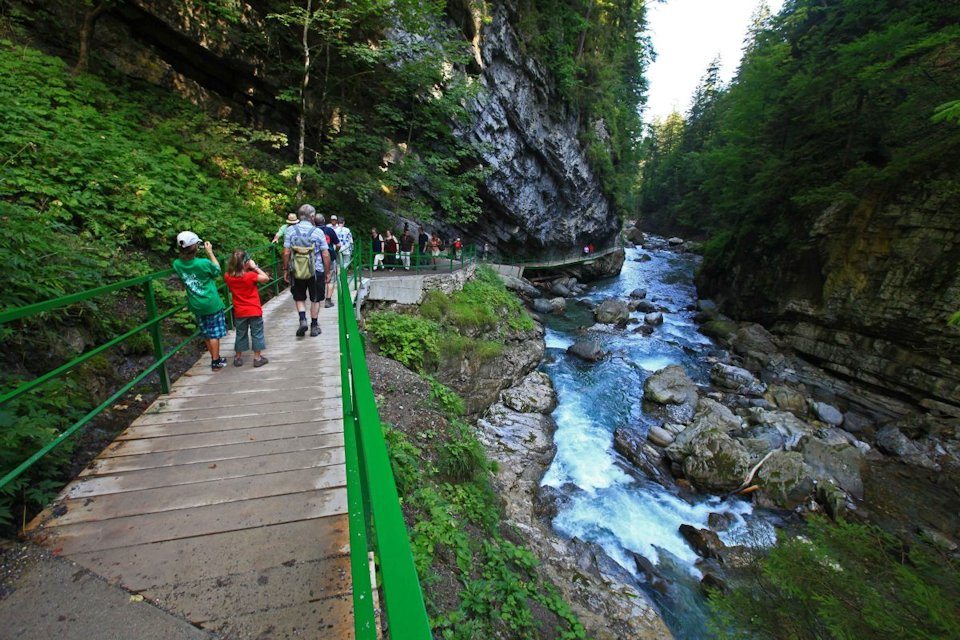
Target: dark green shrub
403,337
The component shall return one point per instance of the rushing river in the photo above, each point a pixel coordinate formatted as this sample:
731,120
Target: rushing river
621,511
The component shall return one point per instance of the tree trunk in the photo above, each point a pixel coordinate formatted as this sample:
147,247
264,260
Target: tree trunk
86,35
303,97
583,33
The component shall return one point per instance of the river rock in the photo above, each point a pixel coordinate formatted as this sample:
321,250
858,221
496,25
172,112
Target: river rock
644,257
558,305
629,443
660,436
719,329
638,293
534,394
675,241
708,307
827,413
643,306
711,582
653,319
670,385
644,329
649,571
705,542
611,311
520,285
561,290
716,462
839,464
754,342
786,398
736,379
788,425
720,521
634,235
786,479
891,441
856,423
681,413
587,349
542,306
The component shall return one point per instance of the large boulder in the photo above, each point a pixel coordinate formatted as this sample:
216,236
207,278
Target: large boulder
558,305
719,329
631,444
638,293
705,542
660,436
654,318
716,462
542,305
675,241
521,286
786,398
839,464
736,379
786,479
670,385
644,306
611,311
827,413
788,425
534,394
587,349
891,441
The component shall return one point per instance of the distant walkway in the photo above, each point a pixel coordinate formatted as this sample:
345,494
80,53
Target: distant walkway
226,501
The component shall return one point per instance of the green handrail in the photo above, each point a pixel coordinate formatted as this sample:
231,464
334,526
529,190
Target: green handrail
152,325
374,506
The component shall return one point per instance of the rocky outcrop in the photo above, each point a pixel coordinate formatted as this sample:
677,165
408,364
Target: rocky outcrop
541,193
866,294
518,437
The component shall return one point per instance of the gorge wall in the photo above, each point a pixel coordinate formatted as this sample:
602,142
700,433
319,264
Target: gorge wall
867,295
540,194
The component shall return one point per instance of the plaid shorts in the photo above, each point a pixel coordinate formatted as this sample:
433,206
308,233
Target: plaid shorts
213,326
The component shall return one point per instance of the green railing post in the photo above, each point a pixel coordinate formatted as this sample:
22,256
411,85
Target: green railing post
276,269
156,334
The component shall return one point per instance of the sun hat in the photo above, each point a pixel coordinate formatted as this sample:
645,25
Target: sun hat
187,239
292,218
333,217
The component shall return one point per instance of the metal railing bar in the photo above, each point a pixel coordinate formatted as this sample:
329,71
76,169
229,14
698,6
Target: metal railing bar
92,414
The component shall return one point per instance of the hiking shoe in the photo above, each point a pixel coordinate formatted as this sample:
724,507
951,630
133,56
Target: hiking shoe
238,361
328,303
314,331
217,364
259,362
303,329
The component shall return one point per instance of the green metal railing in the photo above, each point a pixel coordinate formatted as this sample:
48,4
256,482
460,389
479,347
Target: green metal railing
449,260
376,520
151,325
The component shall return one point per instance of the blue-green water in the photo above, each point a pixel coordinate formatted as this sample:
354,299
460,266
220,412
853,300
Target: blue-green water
624,512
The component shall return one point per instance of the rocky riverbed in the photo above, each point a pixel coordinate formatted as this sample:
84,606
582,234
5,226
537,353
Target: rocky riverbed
668,409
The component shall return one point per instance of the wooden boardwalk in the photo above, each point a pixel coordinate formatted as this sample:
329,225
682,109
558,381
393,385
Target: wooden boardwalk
225,502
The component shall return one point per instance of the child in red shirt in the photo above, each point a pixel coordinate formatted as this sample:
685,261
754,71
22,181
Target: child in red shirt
242,277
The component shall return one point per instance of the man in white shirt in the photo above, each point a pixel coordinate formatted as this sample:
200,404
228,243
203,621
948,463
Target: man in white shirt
346,238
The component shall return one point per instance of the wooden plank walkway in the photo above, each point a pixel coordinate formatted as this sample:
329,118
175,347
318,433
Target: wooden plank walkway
225,502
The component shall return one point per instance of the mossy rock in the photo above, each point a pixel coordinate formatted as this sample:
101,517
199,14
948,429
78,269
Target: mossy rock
719,329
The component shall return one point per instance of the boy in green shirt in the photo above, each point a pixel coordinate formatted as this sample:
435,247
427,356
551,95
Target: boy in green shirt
199,277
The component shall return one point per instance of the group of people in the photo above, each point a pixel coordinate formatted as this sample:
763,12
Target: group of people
390,251
310,248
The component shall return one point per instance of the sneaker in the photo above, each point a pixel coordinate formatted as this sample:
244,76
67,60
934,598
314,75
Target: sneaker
314,331
303,329
328,303
259,362
238,361
219,363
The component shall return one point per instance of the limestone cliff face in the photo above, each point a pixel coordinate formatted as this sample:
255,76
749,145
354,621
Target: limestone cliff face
541,195
541,192
868,295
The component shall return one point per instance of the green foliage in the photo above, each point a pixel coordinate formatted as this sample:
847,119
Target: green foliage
597,52
445,398
404,337
456,517
831,104
846,581
480,306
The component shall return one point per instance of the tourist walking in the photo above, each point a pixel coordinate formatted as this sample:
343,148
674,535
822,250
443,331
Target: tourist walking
304,249
282,231
377,244
346,239
243,277
458,249
435,246
333,242
406,248
200,277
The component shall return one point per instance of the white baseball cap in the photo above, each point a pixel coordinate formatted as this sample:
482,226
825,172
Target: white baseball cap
187,239
333,217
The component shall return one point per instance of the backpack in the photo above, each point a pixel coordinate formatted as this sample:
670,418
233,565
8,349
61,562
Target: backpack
303,264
